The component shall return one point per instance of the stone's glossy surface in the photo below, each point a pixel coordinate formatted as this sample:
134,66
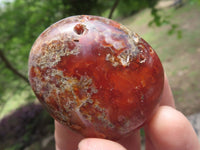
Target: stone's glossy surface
95,76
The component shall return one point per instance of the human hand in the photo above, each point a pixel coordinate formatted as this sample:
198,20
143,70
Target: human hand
168,129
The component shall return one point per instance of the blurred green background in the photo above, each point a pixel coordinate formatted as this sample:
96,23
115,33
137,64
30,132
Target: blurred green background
171,27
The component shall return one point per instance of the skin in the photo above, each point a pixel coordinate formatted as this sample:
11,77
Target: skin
168,129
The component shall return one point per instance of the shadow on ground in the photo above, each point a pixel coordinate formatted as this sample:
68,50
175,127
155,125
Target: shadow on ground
28,128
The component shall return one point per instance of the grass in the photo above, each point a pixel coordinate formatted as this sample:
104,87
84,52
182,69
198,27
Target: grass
165,44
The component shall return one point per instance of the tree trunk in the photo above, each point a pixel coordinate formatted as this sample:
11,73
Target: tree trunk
113,8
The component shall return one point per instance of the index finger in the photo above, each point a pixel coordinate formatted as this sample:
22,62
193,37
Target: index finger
167,96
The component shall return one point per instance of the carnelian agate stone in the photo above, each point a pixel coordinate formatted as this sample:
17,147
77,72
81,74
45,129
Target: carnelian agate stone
95,76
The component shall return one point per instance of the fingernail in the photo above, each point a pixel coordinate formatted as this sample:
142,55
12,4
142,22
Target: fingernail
82,145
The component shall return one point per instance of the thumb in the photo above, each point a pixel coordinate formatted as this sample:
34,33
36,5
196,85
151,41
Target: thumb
99,144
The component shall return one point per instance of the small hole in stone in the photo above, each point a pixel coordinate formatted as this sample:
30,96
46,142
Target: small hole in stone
79,29
75,40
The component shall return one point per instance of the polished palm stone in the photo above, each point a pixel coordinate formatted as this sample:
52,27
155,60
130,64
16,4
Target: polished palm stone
96,76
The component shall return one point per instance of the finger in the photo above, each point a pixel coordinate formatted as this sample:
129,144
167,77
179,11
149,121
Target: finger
170,130
166,99
65,138
167,96
99,144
